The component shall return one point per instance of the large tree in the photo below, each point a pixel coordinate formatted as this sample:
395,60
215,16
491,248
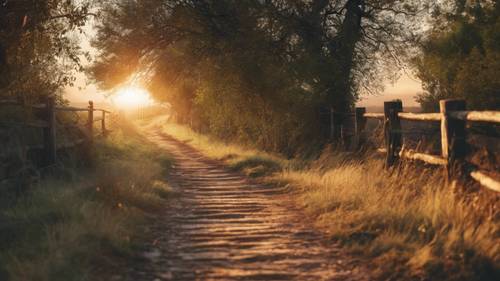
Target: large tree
351,41
254,66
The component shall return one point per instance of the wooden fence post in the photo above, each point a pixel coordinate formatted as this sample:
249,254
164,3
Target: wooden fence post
360,124
453,142
103,123
88,147
90,121
392,131
49,133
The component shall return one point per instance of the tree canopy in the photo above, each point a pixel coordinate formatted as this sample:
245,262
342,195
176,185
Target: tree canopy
37,50
461,56
256,70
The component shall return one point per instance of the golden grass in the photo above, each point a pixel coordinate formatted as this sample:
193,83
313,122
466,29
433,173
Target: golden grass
66,229
406,218
406,221
251,161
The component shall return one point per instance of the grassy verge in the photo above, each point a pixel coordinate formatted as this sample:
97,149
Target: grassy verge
406,222
68,226
253,162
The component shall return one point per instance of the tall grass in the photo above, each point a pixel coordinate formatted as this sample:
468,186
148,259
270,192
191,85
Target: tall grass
406,221
67,228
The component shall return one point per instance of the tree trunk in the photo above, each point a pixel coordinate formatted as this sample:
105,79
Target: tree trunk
343,50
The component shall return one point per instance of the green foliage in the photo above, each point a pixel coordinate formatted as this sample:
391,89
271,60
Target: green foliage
39,49
253,71
460,57
264,118
68,230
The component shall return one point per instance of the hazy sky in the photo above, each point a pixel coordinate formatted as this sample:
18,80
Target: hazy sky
82,92
406,88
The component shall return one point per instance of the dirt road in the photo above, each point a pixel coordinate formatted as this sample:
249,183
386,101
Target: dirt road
224,227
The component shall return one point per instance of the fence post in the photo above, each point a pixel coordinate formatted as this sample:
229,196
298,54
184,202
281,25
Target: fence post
453,142
360,124
88,147
49,133
90,121
392,131
103,123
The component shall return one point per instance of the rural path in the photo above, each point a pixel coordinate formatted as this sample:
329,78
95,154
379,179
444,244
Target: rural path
225,227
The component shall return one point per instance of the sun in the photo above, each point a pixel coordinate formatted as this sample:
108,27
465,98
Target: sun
132,97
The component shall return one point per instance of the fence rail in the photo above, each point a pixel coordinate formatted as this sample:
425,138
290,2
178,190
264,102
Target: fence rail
50,144
427,158
373,115
420,116
477,116
453,117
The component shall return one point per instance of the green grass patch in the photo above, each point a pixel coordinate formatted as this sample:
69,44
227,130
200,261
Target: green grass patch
67,228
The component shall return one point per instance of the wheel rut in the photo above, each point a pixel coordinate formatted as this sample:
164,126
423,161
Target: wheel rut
223,226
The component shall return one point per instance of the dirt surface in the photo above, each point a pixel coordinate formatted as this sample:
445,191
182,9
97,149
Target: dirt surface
223,226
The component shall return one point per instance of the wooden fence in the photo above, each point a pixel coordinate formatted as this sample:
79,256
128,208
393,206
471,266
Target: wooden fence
452,117
48,124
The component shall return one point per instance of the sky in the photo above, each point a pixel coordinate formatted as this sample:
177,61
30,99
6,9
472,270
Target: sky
82,91
406,88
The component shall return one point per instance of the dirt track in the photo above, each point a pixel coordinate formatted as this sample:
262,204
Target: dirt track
224,227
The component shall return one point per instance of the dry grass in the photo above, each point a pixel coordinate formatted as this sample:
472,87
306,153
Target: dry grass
253,162
63,229
405,221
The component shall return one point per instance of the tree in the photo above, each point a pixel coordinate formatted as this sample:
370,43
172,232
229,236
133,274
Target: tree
460,56
37,48
251,69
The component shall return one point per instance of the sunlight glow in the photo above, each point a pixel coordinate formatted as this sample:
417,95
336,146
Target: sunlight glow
132,97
